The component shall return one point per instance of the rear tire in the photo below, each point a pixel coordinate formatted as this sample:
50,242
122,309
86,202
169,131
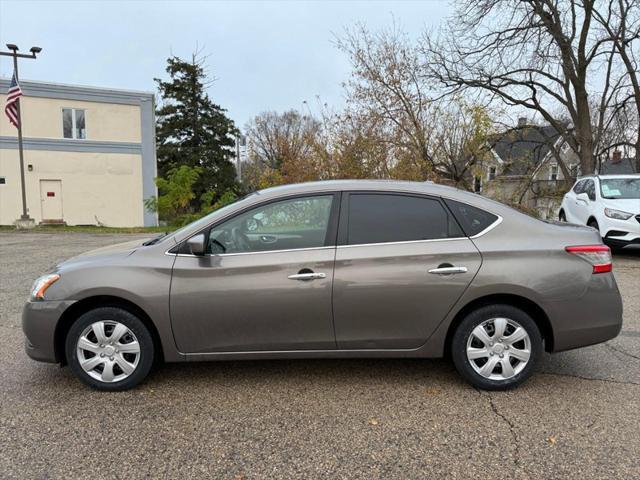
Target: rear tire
109,348
496,347
561,216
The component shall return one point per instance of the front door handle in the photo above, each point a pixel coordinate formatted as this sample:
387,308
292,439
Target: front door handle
448,270
307,276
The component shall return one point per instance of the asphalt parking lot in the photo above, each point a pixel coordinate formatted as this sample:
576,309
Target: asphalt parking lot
578,417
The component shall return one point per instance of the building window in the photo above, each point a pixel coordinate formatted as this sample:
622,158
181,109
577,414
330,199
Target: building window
477,184
3,180
73,124
553,172
492,173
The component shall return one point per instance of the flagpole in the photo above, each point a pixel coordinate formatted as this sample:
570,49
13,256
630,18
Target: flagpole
24,216
25,221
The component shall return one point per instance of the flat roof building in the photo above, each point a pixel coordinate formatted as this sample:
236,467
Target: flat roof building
89,156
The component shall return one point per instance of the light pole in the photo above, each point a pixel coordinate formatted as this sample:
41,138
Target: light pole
25,220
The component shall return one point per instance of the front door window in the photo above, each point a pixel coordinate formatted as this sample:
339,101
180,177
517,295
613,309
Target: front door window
285,225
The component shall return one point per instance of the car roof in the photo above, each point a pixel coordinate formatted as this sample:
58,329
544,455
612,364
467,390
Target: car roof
363,185
622,175
399,186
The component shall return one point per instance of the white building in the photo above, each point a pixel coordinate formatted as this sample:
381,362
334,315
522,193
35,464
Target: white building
89,155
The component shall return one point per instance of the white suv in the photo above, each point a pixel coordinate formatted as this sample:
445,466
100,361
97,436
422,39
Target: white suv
608,203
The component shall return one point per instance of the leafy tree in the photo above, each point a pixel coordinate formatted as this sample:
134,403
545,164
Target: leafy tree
193,131
175,192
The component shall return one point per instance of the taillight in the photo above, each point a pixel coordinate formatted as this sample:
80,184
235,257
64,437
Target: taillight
597,255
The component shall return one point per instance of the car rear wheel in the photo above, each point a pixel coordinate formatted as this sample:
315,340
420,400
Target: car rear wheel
496,347
109,349
561,216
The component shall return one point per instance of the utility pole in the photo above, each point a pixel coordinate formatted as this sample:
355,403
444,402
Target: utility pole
25,221
238,159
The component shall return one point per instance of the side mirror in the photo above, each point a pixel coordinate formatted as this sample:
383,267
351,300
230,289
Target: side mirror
196,244
583,196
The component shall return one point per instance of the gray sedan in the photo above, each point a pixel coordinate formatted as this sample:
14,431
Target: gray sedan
332,269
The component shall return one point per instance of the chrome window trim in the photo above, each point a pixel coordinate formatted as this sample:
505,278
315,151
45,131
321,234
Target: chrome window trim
493,225
497,222
329,247
404,242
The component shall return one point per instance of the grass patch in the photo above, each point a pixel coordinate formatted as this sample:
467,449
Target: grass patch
86,229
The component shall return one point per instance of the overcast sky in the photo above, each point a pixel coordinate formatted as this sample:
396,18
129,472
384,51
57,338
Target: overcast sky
266,55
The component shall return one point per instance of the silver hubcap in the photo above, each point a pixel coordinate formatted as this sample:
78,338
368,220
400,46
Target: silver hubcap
499,348
108,351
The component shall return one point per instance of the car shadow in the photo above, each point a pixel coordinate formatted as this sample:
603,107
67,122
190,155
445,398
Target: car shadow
308,371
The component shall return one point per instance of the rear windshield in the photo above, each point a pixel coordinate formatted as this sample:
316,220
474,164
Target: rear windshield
620,187
472,220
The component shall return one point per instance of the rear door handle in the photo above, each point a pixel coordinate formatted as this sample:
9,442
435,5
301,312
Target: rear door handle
448,270
307,276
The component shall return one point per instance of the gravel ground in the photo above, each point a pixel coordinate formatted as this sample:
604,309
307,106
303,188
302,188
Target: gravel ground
578,417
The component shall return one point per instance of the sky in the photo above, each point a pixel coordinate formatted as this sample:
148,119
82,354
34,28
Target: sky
268,55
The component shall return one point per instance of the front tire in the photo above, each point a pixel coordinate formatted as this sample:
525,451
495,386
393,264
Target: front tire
562,217
109,348
496,347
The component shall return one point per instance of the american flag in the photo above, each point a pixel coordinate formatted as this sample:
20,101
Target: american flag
13,96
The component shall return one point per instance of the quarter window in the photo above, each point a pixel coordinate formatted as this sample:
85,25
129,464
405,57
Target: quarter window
284,225
473,220
381,218
73,123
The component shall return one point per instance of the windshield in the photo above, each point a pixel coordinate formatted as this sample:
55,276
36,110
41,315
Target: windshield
617,188
204,221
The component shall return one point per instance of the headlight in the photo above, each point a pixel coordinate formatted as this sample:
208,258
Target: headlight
40,285
617,214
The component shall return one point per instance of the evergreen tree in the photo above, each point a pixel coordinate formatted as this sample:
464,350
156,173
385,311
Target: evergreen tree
192,130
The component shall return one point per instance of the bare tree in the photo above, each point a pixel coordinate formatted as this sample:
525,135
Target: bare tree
548,56
280,138
621,22
462,136
390,97
388,88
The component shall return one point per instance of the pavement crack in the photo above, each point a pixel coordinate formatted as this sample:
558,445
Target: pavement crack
509,423
621,351
591,379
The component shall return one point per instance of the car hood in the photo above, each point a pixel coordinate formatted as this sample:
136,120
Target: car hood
99,254
631,205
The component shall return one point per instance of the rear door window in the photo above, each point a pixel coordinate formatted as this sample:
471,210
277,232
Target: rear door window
590,189
472,219
381,218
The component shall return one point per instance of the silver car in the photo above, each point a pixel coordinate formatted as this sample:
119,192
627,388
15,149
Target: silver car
333,269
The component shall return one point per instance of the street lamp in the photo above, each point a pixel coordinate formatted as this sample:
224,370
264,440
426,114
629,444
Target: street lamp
25,220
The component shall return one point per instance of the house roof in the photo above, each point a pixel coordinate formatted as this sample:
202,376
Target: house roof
523,148
626,166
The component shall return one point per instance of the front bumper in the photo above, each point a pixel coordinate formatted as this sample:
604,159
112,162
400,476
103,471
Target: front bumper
39,322
621,232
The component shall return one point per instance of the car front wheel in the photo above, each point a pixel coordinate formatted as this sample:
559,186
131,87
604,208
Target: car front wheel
109,349
496,347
